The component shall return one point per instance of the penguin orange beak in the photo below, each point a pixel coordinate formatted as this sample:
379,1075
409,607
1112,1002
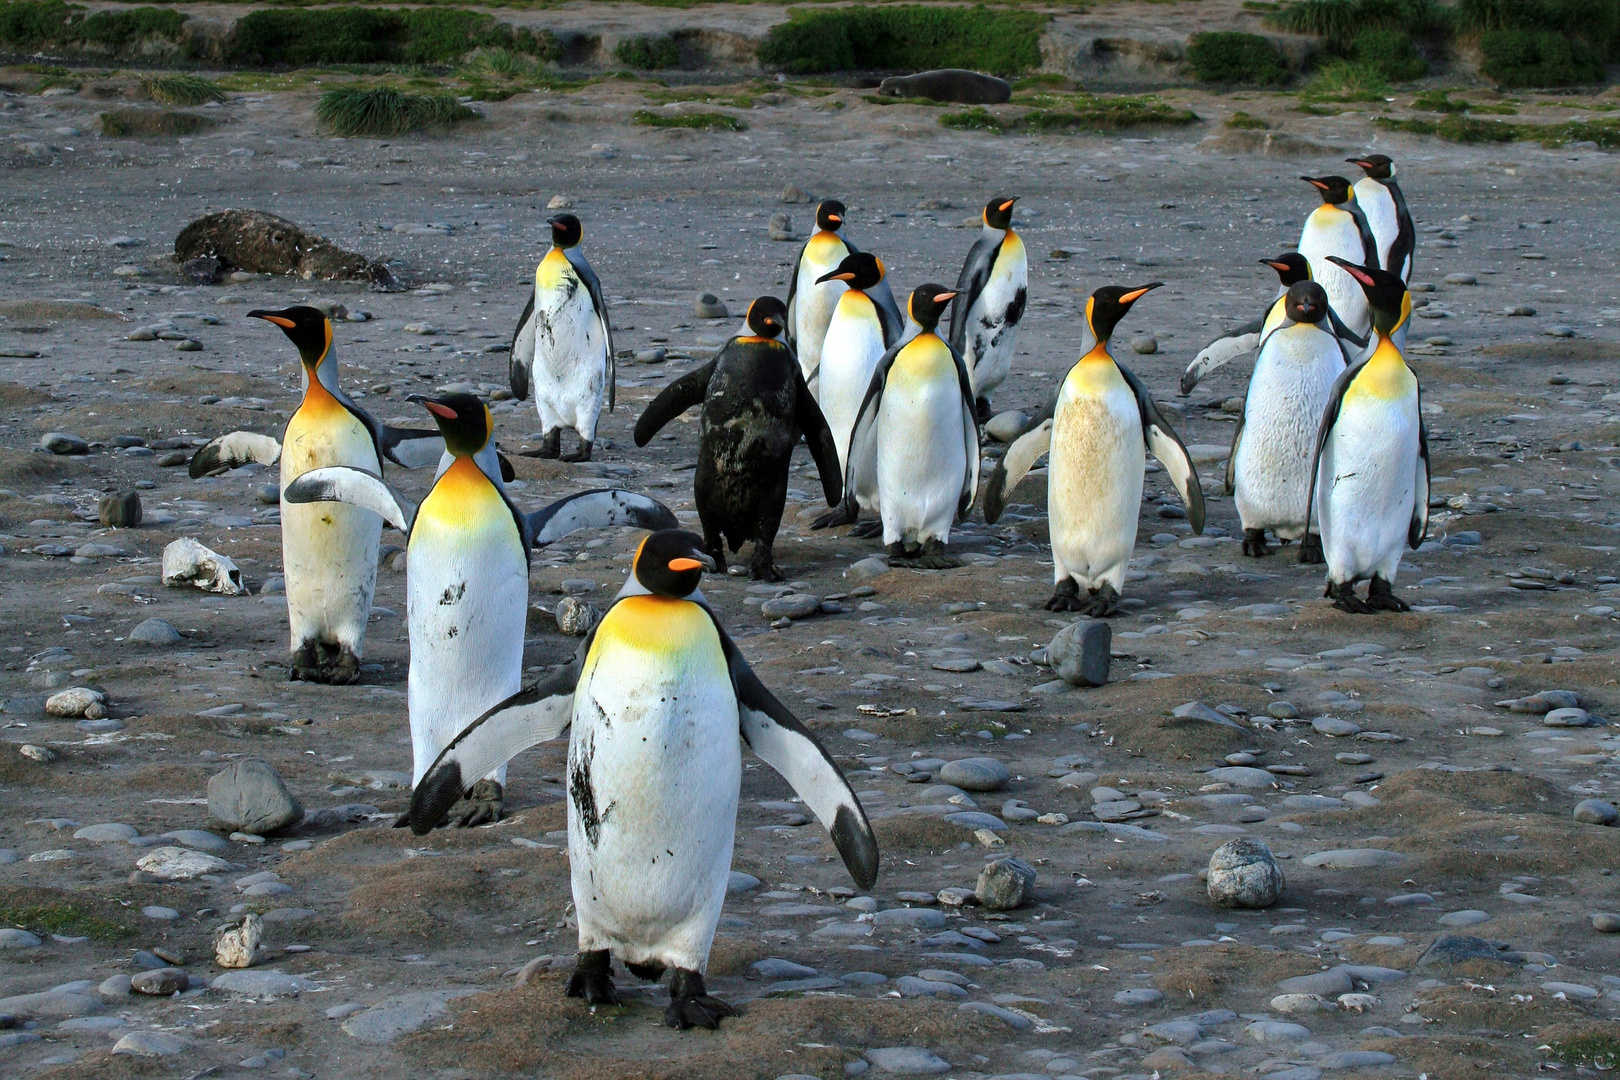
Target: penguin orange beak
944,298
1359,163
436,408
1136,294
1314,182
279,320
701,562
1280,267
847,275
836,219
1008,204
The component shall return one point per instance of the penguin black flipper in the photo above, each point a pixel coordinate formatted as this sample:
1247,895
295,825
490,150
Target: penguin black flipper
598,509
1330,416
862,457
233,450
782,741
354,487
1369,243
533,715
975,274
520,356
1405,245
577,260
1231,458
1420,502
1026,448
684,393
410,448
1164,444
818,437
1344,333
1233,343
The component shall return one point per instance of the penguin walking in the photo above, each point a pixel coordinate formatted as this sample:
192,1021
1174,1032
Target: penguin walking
916,435
813,296
564,342
1099,431
467,576
656,699
994,290
755,406
1269,470
1338,229
1370,493
1292,268
1380,197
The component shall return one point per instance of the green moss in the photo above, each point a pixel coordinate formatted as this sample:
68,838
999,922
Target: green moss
151,123
1347,81
385,113
904,38
703,121
1537,58
1600,1052
1341,21
1079,113
181,89
1594,24
879,99
361,35
1463,129
1439,101
1391,52
653,53
1242,121
34,910
1233,57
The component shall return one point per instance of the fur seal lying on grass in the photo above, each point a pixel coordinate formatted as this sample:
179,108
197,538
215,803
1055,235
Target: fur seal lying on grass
949,84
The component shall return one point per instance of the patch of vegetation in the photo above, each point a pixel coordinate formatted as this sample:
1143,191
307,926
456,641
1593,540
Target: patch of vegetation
1346,81
1079,113
652,53
1538,58
1340,21
702,121
1242,121
360,35
1440,101
1601,1052
30,25
1233,57
1593,23
385,113
879,99
151,123
1046,80
1391,52
1463,129
977,118
904,37
180,89
33,910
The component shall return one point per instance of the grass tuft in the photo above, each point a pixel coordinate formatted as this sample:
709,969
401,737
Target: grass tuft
1601,1052
1465,129
904,38
702,121
1534,58
1078,113
34,910
385,113
652,53
151,123
1242,121
1340,21
180,89
1345,81
1238,58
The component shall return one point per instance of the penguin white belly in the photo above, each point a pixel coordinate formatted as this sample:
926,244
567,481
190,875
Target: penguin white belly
328,550
570,350
1366,484
849,354
654,767
992,321
1331,231
1378,205
1094,479
921,466
467,605
813,305
1288,392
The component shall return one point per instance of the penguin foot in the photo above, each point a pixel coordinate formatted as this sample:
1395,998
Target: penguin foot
1254,543
762,567
582,454
1310,550
933,557
867,530
593,979
982,411
320,662
1104,603
550,445
832,518
480,806
306,664
716,549
1381,597
1345,598
690,1004
1065,597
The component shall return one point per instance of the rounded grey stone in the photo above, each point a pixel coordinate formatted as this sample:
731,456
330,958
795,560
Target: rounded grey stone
1244,874
975,774
1606,922
792,606
907,1061
1566,718
1139,995
161,982
709,306
1005,884
151,1044
61,442
155,632
1596,812
1468,917
13,938
111,832
250,796
1081,652
1333,727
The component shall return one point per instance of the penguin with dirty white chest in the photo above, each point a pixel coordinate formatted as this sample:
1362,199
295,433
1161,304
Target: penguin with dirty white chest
994,291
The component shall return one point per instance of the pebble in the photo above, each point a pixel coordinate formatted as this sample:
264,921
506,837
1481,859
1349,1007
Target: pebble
912,986
161,982
1357,1059
155,632
151,1044
261,984
975,774
1139,995
1289,1004
42,754
13,938
792,606
250,796
1596,812
774,968
1005,426
161,914
52,1005
116,986
1606,922
1146,345
868,568
919,918
740,882
1080,653
1356,859
1016,1021
907,1061
1243,776
1197,710
1005,884
780,227
1325,984
1277,1031
1244,874
179,864
396,1016
1333,727
73,701
1468,917
108,833
1566,718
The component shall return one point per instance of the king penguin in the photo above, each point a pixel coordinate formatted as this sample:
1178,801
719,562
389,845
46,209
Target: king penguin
656,698
1338,229
755,407
1098,430
1371,467
813,296
467,576
1381,199
563,340
1269,469
994,290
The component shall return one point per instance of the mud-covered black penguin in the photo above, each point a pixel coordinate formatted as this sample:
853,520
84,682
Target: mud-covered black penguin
755,407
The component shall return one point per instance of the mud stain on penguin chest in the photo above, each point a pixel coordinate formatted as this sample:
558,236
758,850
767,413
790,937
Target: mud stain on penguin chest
461,524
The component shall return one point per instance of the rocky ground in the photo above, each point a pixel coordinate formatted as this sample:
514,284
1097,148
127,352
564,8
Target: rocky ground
1435,866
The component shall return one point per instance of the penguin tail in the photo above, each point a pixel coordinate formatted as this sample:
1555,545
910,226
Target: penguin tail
232,451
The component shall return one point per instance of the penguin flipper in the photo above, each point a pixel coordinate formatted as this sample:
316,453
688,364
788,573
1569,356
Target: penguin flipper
682,394
594,286
355,487
782,741
411,448
1026,449
1234,343
970,436
1231,458
1164,444
970,282
818,437
894,323
535,714
520,358
1420,502
230,451
599,509
1344,333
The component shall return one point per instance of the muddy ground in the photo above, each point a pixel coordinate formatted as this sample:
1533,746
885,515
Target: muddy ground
1469,804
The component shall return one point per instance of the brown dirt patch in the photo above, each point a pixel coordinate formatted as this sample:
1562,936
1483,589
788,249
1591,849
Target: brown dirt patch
1200,974
1569,351
14,396
25,465
1453,1057
733,955
1465,1009
104,1065
918,832
55,311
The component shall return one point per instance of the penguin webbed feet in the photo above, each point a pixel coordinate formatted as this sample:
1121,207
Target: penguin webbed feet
323,662
1381,597
1065,597
762,565
867,530
1100,603
550,446
1254,543
690,1004
581,454
842,514
1345,599
929,555
1310,550
593,979
480,806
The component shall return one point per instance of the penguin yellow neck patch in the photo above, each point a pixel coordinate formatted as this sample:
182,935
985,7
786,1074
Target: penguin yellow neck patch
657,625
1385,377
826,249
1094,373
553,270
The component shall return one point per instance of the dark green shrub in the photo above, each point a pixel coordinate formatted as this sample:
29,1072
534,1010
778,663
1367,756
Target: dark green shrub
702,121
136,123
1593,22
1391,51
180,89
905,38
1537,58
385,113
648,53
1341,20
323,36
1234,57
37,24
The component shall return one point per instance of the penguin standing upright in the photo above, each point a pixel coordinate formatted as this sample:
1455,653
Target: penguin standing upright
1370,493
564,342
755,406
994,290
1338,228
1381,199
1292,268
1269,469
1099,430
467,576
813,296
656,697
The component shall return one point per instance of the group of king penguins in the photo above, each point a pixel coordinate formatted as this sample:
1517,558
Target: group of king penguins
657,701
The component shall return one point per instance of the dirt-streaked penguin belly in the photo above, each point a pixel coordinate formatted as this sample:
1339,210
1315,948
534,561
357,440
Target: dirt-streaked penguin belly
1094,485
570,349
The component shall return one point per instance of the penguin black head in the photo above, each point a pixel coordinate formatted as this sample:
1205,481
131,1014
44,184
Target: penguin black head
1376,166
307,327
1387,298
671,562
1307,302
830,215
1109,304
998,212
1291,267
463,419
859,270
1335,189
927,304
565,230
767,316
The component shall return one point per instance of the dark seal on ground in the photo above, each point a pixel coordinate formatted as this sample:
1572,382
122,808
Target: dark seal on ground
949,84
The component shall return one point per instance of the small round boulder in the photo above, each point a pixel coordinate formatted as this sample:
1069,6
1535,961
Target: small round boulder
975,774
574,616
709,306
1596,812
1243,874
